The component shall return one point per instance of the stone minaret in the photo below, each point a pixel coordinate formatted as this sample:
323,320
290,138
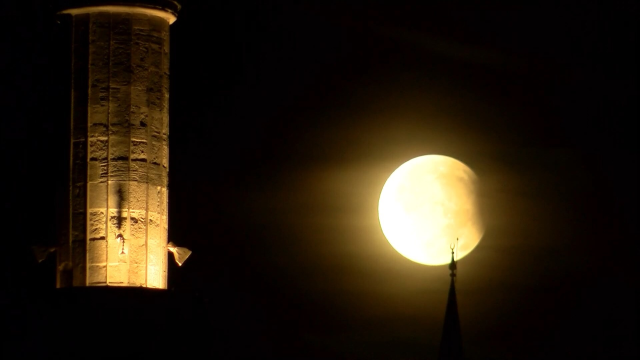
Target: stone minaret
117,233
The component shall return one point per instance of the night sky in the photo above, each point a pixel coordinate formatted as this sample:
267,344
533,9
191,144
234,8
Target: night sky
287,117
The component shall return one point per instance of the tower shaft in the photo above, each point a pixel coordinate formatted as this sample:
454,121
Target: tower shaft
119,147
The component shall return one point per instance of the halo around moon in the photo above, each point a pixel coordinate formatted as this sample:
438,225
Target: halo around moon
426,204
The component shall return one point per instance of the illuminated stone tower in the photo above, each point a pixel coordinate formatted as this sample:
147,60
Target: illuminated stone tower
119,144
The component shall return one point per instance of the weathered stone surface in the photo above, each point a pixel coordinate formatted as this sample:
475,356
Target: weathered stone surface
97,252
157,200
118,195
120,153
99,45
118,223
78,226
138,197
157,175
157,251
137,275
79,162
118,274
98,149
157,255
138,253
139,172
114,249
97,195
79,198
121,30
154,227
78,262
98,171
139,150
98,129
119,141
80,78
97,275
97,225
119,170
138,223
139,117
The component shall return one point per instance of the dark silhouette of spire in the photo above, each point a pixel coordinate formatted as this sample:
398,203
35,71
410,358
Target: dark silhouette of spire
451,342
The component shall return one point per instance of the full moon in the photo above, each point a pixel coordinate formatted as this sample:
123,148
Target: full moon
426,204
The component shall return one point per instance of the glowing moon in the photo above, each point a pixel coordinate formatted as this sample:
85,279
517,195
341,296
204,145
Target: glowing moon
426,204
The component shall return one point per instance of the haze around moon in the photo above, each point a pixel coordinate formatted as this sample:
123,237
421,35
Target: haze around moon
426,204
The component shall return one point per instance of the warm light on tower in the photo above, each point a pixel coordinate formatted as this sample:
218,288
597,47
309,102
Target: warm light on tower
119,144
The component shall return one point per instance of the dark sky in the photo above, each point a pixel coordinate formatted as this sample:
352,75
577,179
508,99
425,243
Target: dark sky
287,117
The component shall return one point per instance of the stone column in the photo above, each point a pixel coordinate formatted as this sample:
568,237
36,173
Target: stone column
119,144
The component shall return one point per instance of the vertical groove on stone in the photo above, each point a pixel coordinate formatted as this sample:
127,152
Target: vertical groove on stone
119,145
133,220
63,275
165,148
155,223
140,121
108,185
79,168
99,38
88,155
137,161
157,252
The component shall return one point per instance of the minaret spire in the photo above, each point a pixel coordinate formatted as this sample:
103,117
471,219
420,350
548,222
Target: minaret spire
451,342
452,264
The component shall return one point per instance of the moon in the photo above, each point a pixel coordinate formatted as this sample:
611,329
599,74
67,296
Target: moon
426,204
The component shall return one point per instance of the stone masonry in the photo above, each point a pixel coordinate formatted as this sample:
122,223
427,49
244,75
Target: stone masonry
119,149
